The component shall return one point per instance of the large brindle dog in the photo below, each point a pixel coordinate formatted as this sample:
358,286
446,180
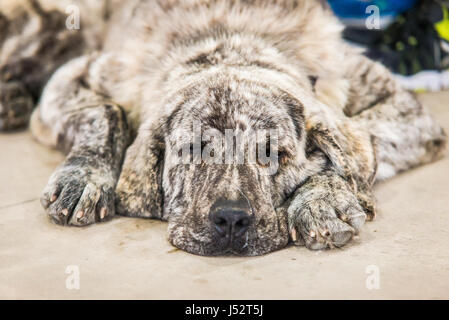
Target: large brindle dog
113,93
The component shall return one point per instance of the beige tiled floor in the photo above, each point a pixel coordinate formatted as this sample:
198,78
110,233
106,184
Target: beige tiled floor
130,258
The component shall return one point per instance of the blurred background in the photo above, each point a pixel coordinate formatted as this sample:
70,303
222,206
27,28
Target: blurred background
410,37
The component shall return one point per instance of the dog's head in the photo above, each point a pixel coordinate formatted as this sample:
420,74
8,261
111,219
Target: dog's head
219,164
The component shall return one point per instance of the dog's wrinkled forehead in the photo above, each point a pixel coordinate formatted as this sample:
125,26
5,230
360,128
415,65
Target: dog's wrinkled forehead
239,106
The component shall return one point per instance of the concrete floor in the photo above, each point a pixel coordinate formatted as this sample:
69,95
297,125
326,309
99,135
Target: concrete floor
406,246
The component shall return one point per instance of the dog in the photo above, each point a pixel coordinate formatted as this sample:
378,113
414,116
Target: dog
147,95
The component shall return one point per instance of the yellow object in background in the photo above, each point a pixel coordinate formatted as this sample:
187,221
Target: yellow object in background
442,26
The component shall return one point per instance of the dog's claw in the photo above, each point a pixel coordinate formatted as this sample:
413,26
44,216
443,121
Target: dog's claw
103,213
80,214
294,235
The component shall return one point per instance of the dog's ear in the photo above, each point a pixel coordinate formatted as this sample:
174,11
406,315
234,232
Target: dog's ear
351,155
327,141
139,188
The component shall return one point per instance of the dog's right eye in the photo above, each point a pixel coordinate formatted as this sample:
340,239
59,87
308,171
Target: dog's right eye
192,150
283,156
313,80
186,150
263,152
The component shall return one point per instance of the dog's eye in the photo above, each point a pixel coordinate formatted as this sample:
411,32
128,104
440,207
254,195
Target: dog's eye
263,154
186,151
283,156
313,80
193,151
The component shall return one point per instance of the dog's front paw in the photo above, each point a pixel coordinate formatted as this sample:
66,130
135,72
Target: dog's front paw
16,106
80,192
324,213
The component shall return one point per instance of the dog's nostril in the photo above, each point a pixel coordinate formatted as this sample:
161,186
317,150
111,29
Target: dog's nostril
220,225
219,221
241,226
242,222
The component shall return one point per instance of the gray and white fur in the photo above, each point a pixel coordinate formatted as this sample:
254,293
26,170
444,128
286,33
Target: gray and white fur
148,68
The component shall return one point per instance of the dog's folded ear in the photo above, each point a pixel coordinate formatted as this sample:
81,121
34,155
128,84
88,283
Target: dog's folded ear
350,153
139,188
321,138
348,147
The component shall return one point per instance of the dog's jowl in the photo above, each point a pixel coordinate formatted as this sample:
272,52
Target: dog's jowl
244,124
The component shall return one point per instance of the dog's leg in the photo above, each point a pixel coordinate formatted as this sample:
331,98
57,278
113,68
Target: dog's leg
93,132
388,131
33,44
404,133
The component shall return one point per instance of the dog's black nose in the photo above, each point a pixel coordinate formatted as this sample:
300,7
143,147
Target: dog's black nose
231,219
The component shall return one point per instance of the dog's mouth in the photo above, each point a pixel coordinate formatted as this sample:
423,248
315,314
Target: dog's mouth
264,234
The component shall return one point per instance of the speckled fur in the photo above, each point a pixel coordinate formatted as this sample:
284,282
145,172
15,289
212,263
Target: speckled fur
343,120
33,44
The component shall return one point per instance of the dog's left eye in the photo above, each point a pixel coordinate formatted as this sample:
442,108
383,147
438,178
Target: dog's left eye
193,150
281,154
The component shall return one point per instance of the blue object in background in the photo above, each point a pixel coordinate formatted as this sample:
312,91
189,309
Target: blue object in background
353,12
357,8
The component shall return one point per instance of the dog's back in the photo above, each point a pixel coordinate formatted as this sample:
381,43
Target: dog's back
150,38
